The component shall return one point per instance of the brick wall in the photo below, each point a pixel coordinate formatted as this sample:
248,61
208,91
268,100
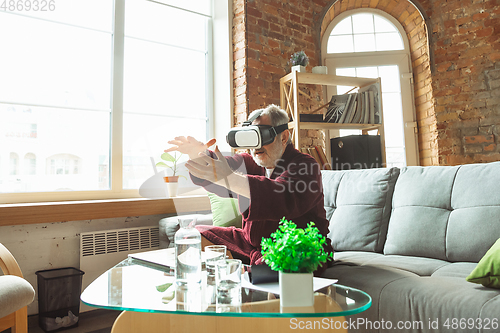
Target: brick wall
467,80
457,91
274,30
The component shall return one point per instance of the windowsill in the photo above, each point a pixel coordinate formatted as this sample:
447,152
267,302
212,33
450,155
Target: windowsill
45,212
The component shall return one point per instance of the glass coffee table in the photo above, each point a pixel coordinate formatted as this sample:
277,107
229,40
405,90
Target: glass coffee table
149,304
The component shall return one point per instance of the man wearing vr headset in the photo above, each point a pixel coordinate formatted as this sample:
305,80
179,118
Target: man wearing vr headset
272,182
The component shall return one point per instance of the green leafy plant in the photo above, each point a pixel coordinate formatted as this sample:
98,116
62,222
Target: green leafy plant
295,250
299,58
170,161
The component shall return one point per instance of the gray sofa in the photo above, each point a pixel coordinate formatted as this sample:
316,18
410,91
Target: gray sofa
409,238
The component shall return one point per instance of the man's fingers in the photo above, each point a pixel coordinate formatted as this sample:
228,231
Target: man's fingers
204,159
210,143
175,142
218,153
197,169
181,139
171,149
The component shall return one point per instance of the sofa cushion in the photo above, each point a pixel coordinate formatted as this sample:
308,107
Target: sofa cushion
445,212
474,223
455,269
357,258
416,265
421,206
224,211
487,271
370,279
420,300
358,205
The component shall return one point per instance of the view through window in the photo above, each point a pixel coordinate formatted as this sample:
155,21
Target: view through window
92,90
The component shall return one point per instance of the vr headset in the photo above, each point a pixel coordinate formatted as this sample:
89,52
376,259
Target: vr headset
253,136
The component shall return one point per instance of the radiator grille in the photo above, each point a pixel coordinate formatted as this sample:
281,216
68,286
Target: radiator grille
119,240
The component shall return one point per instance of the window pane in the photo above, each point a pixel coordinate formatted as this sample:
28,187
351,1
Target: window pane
383,25
393,120
340,44
199,6
364,43
147,20
95,14
362,23
67,149
164,80
369,72
390,78
389,41
344,27
347,71
149,140
54,65
395,157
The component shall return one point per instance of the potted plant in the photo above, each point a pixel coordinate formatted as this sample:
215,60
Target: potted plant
170,161
299,61
295,253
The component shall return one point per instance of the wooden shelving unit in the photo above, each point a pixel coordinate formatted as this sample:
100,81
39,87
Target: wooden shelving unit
289,98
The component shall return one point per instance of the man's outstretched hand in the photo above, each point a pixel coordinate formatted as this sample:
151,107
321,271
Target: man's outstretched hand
211,169
189,145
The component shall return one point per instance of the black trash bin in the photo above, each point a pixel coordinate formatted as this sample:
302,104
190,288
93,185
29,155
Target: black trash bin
59,298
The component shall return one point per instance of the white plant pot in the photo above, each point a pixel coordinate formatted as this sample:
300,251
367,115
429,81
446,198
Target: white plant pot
172,189
296,289
320,70
299,68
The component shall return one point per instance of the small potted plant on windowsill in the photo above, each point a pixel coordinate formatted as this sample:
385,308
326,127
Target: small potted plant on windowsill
296,253
299,61
170,161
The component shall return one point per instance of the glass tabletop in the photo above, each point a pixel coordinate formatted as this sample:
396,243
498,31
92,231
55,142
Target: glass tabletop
133,285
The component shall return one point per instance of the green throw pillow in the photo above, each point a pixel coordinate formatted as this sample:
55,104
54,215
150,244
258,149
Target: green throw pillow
225,211
487,271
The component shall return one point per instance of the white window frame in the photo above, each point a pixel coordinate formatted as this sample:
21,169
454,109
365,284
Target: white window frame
219,99
380,58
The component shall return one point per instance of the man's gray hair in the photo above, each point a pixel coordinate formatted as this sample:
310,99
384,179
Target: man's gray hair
277,115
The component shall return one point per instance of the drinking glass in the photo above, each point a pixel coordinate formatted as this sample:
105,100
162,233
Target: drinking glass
214,253
228,282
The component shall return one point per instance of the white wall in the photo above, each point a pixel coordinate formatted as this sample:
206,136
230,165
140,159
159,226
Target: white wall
55,245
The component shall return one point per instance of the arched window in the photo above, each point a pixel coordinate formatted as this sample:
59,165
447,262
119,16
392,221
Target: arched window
64,164
29,164
14,164
370,43
364,32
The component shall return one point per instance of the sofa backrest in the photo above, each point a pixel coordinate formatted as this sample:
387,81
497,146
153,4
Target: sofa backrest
358,206
445,212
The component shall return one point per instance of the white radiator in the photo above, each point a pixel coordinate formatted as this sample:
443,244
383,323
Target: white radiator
101,250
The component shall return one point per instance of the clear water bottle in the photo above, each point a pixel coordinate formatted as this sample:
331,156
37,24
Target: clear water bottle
187,253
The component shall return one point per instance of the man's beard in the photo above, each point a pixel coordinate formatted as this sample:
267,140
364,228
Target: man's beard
270,157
